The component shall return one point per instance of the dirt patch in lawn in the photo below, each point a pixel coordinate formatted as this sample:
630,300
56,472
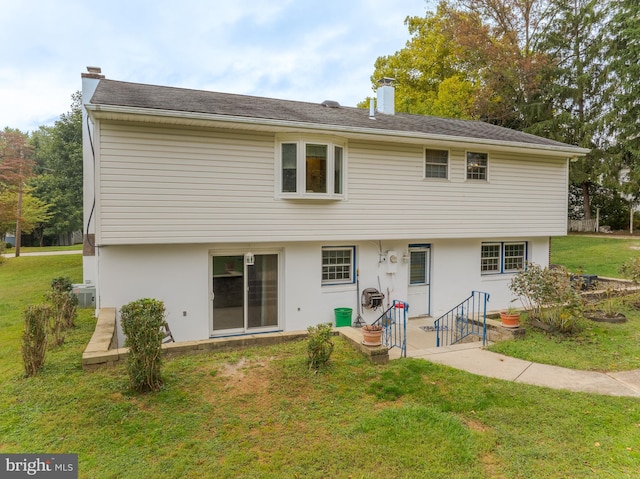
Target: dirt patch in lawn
247,376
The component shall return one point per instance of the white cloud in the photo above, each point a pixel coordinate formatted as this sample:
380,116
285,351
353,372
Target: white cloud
307,50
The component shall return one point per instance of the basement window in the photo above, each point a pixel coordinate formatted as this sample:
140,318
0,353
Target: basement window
338,265
504,257
311,168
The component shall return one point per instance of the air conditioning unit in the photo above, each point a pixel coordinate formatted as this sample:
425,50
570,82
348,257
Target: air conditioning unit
86,294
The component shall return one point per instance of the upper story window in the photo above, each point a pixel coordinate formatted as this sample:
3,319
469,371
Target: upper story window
477,165
436,164
311,169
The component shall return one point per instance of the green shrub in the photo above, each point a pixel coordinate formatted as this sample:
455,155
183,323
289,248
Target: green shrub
34,337
64,301
631,269
319,345
62,284
65,305
549,295
142,321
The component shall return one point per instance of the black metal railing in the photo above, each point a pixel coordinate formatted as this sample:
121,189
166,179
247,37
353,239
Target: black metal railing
466,319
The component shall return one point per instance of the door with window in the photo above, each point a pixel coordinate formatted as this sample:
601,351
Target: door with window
244,293
419,290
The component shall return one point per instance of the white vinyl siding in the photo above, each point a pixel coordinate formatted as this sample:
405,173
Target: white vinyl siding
178,185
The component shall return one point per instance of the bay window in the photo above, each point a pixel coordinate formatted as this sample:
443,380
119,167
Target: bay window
311,169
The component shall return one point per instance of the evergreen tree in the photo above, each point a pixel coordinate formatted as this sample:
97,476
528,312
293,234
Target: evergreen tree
58,153
577,95
624,58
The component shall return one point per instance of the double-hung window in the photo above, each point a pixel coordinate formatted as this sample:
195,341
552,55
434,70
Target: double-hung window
436,164
311,169
506,257
477,166
338,264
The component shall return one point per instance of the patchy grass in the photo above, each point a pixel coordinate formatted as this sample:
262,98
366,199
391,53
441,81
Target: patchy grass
25,280
261,413
593,255
599,346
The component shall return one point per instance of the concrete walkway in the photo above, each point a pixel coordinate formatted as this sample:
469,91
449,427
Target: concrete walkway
473,358
43,253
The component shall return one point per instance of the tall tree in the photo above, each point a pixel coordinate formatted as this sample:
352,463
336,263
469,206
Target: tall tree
518,69
522,21
460,63
58,152
33,212
575,43
624,56
432,72
16,168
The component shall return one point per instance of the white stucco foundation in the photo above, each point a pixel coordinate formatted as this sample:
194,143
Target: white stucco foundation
180,275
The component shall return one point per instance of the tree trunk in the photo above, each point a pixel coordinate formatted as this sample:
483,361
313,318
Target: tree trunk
586,200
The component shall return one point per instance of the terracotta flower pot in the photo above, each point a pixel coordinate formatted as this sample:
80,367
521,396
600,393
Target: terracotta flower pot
510,320
372,335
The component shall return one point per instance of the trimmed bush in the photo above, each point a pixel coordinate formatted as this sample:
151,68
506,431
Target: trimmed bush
34,337
62,284
142,322
64,301
65,305
319,345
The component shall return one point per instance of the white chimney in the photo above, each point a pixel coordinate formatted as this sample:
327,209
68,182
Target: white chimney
386,96
90,81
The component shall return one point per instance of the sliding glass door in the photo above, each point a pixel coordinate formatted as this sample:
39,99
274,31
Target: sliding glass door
245,293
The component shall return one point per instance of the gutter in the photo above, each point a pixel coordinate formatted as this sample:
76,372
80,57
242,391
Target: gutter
116,112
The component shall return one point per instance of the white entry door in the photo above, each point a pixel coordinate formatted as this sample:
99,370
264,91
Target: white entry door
419,280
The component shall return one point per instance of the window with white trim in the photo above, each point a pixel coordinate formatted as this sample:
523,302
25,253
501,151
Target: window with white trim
311,169
436,163
503,257
338,264
477,165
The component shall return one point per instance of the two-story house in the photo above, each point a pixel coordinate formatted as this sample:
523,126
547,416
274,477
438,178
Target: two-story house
247,214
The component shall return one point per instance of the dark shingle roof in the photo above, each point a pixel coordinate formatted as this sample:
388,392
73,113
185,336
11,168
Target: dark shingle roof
125,94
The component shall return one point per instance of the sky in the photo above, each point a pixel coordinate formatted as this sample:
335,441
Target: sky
304,50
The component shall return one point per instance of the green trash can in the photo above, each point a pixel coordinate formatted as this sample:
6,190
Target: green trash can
343,316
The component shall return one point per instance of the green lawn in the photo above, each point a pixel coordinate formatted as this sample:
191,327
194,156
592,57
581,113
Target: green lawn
597,346
593,255
260,413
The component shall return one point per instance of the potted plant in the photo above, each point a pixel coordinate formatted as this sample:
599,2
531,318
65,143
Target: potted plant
371,334
510,317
